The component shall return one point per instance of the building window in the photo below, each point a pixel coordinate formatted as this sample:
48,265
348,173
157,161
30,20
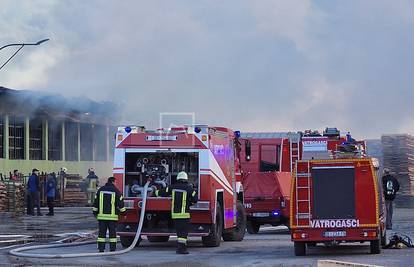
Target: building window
16,137
86,142
100,142
71,141
55,141
35,140
1,137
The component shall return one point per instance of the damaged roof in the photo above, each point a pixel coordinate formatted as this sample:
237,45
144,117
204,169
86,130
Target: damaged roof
44,105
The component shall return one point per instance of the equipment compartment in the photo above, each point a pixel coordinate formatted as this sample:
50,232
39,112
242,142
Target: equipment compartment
161,167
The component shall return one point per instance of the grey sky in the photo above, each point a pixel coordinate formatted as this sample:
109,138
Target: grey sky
250,65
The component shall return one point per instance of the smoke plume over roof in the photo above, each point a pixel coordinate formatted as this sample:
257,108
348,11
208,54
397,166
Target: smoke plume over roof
250,65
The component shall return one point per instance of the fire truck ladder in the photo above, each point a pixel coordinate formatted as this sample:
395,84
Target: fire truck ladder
294,150
300,177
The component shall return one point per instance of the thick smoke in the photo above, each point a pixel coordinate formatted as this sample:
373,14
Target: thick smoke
255,66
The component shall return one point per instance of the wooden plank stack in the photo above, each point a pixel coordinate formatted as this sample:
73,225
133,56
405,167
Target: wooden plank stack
73,194
398,153
3,197
15,197
374,149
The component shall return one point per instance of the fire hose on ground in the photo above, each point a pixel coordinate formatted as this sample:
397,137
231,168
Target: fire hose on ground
19,252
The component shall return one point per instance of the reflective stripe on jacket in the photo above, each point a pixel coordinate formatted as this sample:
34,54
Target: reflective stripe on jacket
183,196
108,203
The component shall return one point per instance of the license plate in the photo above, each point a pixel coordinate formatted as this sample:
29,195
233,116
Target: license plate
261,214
129,204
335,234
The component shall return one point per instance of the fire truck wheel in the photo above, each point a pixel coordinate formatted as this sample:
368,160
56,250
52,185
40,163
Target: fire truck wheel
253,227
300,248
158,239
126,241
214,238
375,247
237,233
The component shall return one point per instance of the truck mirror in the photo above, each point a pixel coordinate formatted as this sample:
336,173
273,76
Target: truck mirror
248,150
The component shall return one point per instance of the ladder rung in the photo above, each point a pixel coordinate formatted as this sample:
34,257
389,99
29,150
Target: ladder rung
303,215
303,175
303,200
302,187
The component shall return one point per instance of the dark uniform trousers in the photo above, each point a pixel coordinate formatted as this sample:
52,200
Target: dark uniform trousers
108,203
181,227
105,225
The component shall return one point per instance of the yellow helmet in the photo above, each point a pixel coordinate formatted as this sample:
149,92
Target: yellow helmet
182,176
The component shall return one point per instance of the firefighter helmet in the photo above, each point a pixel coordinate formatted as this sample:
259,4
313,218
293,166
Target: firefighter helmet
182,176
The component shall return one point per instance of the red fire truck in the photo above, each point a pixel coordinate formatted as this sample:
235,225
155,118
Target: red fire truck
267,160
209,155
335,195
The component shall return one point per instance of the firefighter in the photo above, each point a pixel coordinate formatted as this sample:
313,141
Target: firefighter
183,196
106,207
390,187
92,182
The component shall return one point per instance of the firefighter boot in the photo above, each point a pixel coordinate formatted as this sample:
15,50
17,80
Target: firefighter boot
112,246
101,246
182,248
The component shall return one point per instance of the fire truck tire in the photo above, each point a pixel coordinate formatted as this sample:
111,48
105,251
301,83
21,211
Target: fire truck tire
300,248
375,247
237,233
253,227
126,241
158,239
214,238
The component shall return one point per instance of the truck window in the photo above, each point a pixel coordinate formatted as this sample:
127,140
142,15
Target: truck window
269,158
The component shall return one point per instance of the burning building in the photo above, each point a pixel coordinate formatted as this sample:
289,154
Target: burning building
48,132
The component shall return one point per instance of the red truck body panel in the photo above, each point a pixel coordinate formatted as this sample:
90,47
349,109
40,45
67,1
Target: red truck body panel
363,221
217,175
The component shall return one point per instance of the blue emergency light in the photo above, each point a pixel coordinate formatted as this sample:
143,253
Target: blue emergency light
128,129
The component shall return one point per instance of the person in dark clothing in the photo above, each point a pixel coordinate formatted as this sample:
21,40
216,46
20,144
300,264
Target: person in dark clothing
33,187
106,207
390,187
183,196
50,192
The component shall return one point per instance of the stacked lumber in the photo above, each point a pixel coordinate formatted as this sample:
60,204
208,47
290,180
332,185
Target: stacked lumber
15,197
3,197
398,153
73,194
374,149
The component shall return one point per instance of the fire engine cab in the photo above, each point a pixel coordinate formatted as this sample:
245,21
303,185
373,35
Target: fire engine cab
209,155
267,160
335,194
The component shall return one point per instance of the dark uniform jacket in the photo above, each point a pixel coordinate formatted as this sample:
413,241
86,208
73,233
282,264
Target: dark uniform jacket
183,196
390,187
108,203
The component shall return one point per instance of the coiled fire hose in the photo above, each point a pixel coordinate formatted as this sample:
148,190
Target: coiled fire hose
19,252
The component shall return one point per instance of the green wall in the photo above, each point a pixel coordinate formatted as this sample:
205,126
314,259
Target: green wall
102,168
